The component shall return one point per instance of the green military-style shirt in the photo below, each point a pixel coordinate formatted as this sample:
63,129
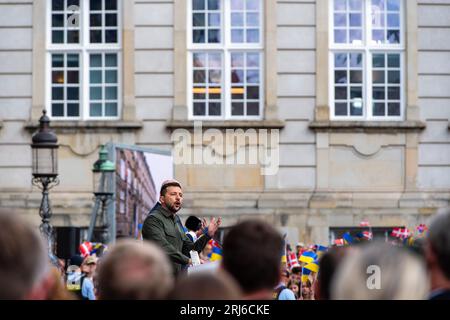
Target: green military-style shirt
165,229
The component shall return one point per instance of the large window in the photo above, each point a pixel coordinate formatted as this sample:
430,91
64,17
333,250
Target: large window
225,59
83,59
366,59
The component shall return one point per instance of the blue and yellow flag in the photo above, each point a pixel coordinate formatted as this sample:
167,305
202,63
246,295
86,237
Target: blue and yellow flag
312,266
305,274
348,239
216,254
308,256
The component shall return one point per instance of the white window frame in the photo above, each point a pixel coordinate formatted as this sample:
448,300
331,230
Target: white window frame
226,47
368,49
84,48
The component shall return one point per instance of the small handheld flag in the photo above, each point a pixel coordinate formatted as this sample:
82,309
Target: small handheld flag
308,257
313,266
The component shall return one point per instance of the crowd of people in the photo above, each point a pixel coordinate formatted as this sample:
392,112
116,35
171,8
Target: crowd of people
252,267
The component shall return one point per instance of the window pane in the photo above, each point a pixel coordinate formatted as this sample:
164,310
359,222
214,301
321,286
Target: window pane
355,76
355,5
393,5
340,36
394,93
111,20
213,35
198,19
252,4
378,77
355,20
214,108
199,59
199,76
95,93
394,76
57,110
393,109
340,5
393,60
340,77
214,76
57,5
378,36
95,110
355,36
237,60
355,92
253,19
199,109
237,19
237,4
57,37
96,76
72,60
340,20
215,60
111,60
253,60
73,2
237,93
378,109
72,76
214,19
213,4
57,20
198,36
393,36
378,5
252,35
237,35
356,60
111,109
57,60
111,76
111,93
73,93
356,107
110,36
237,109
252,92
237,76
73,37
96,36
253,109
340,93
57,93
57,76
96,20
393,20
111,4
96,5
340,109
378,93
198,4
73,110
252,76
340,60
378,60
96,60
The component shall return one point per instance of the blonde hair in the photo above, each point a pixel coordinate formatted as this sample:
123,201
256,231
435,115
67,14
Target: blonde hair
134,270
402,275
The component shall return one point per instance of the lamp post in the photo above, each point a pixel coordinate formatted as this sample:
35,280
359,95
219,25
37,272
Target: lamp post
103,174
44,149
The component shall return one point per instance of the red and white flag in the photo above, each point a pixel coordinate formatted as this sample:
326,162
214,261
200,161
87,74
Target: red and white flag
400,233
292,260
364,223
339,242
367,235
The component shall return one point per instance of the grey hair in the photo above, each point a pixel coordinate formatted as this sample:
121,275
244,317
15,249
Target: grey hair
402,275
439,240
23,257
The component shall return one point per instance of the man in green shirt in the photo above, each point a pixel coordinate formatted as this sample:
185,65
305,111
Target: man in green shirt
163,226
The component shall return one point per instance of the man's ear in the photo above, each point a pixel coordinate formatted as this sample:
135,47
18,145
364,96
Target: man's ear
161,199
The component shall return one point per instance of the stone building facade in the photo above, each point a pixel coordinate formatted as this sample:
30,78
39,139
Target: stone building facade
359,91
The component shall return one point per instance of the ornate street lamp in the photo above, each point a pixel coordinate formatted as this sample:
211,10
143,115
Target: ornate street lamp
44,149
103,174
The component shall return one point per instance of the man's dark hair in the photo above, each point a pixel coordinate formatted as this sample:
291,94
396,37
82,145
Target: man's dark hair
252,255
327,267
193,223
167,185
439,240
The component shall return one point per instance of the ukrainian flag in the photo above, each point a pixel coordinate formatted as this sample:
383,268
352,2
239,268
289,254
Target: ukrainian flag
305,274
216,254
313,266
321,250
348,239
308,257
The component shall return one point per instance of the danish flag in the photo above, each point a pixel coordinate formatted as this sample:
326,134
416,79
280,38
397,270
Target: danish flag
339,242
292,260
364,223
400,233
367,235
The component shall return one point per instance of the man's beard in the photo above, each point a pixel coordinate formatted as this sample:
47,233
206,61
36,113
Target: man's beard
172,207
